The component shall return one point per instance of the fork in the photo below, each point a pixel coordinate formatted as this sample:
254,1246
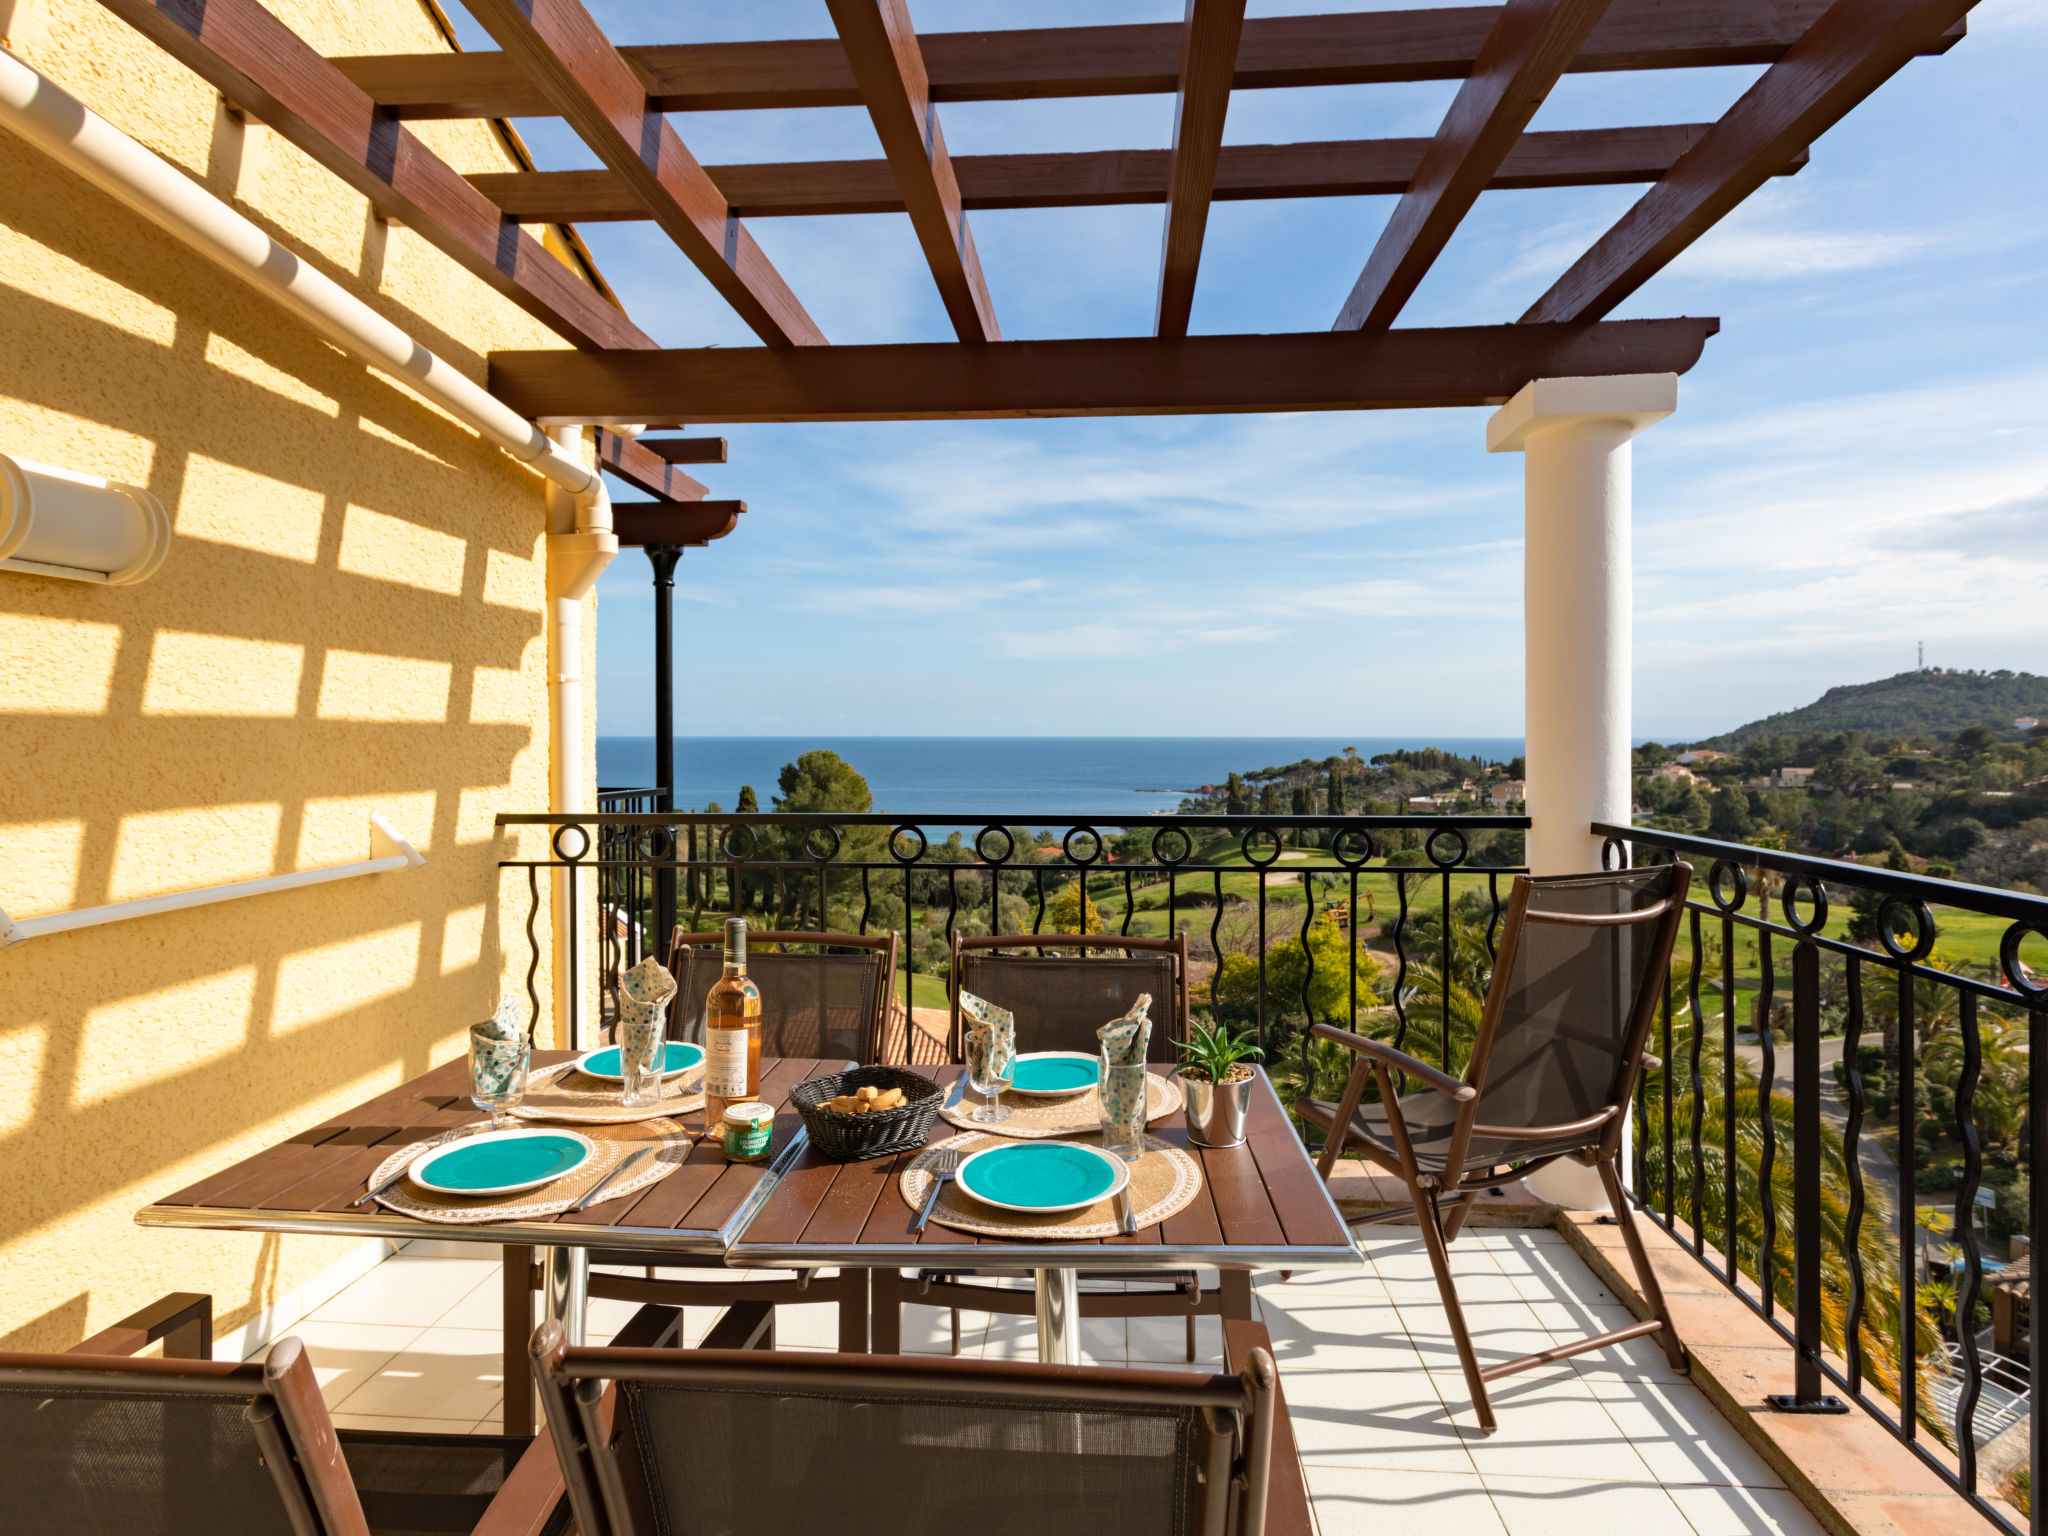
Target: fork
944,1165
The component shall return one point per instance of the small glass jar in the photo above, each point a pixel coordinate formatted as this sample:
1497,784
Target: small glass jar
748,1132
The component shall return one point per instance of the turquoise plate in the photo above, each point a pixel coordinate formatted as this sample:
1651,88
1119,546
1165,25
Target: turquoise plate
1050,1073
1042,1176
605,1063
501,1162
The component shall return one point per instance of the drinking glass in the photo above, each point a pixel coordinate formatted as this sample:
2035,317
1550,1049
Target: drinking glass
1123,1109
643,1051
991,1066
497,1072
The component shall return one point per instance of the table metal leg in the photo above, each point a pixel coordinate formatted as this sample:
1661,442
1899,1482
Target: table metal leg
568,1289
1059,1316
517,1294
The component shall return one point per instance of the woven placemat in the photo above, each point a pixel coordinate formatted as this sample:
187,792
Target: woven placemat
1078,1114
562,1093
1164,1182
614,1143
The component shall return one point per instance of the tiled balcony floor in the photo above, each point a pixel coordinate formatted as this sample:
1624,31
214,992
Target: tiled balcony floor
1614,1441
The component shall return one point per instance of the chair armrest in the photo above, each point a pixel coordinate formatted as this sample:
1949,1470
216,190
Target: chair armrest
1287,1507
1442,1082
183,1320
527,1498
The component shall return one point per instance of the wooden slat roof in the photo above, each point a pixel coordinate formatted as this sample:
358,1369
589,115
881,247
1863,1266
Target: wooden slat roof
1820,60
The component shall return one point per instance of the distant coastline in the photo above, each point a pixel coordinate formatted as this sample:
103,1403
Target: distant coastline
989,774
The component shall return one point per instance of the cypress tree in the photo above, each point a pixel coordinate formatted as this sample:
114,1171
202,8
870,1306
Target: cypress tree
1235,801
1334,793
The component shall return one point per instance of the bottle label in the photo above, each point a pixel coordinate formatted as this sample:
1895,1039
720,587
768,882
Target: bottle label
725,1063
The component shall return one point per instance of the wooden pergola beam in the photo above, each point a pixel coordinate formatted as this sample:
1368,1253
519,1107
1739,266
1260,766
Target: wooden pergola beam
881,49
1851,50
581,74
641,523
1111,376
1578,157
1363,48
263,68
634,462
1522,58
1208,59
686,450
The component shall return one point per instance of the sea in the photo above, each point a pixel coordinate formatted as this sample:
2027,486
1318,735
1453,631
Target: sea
1009,775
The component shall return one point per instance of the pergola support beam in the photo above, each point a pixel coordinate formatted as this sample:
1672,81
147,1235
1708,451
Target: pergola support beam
1578,157
1849,52
881,48
1522,58
1111,376
1208,59
637,464
265,69
583,77
1362,48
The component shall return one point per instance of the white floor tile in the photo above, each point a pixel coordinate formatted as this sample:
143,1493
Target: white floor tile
1557,1506
446,1373
1747,1512
1374,1419
1681,1436
1350,1502
929,1331
1330,1334
409,1290
483,1307
1550,1426
346,1355
1164,1341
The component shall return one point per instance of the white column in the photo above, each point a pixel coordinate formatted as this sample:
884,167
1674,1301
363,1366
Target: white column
1577,599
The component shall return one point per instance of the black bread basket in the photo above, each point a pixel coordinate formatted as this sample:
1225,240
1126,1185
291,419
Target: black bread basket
856,1138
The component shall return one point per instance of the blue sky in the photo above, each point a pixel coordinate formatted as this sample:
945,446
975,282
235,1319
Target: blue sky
1859,462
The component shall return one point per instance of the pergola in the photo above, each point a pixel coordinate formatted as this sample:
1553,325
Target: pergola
1580,383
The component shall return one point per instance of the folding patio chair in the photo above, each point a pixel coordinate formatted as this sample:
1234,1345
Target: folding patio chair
1582,967
1060,1000
99,1443
795,1444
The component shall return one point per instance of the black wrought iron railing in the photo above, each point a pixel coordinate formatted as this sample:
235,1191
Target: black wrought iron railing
1289,918
1878,1188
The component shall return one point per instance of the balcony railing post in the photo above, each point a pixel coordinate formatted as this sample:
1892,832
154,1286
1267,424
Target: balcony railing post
1806,1395
663,558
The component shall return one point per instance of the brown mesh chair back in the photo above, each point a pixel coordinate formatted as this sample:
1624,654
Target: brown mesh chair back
1062,999
778,1445
102,1445
826,999
1581,969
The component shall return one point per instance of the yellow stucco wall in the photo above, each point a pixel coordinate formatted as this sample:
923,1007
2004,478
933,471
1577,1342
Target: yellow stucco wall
351,619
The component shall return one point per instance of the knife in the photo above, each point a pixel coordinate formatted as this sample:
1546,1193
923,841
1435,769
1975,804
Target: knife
594,1190
1127,1218
368,1195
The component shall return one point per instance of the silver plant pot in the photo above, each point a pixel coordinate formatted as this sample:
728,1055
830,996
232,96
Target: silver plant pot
1216,1111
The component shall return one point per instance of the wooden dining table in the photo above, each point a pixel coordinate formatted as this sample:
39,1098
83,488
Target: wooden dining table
311,1183
1261,1206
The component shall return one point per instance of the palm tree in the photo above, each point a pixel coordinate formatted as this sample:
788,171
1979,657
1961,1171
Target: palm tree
1743,1110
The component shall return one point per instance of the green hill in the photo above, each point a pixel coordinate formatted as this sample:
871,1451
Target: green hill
1931,703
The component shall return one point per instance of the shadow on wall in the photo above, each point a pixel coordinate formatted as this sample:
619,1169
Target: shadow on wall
349,621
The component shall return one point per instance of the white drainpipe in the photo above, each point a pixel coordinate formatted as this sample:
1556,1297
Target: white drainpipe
580,540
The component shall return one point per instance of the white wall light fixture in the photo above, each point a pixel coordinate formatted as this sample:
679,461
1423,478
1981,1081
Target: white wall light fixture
54,522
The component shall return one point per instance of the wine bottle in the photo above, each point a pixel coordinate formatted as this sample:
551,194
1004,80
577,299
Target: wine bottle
732,1030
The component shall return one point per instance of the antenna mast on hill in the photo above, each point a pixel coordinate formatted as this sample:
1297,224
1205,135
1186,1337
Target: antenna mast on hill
1923,655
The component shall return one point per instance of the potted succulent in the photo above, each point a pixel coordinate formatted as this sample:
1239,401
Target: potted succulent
1216,1074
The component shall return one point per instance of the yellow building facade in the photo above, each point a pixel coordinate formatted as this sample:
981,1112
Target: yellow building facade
351,620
